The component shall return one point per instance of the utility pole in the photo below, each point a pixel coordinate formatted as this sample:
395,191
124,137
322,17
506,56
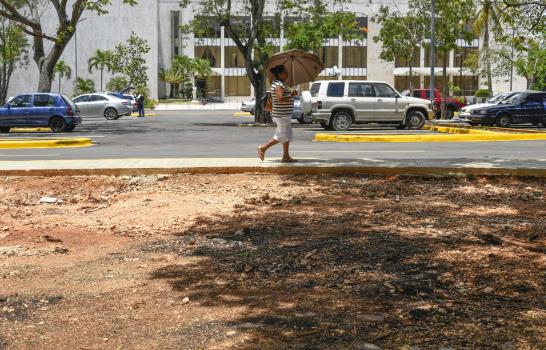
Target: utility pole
432,48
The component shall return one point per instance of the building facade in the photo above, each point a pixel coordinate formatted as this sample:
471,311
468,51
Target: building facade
158,22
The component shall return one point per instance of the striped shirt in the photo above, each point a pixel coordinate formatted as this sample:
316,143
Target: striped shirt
282,109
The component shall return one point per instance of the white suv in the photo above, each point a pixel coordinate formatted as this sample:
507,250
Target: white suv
337,104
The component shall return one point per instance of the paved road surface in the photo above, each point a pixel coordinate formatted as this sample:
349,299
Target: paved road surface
216,134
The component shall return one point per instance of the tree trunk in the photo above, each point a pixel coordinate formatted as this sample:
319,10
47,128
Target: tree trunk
487,58
260,116
444,85
59,84
101,69
411,78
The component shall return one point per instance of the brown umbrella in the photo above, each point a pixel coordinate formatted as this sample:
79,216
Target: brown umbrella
302,66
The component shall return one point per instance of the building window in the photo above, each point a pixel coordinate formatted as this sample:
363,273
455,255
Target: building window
240,25
214,86
234,58
354,57
362,25
437,82
468,84
210,53
272,26
237,86
416,62
462,53
328,55
439,58
402,83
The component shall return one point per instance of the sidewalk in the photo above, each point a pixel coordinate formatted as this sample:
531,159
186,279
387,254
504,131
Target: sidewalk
436,167
198,106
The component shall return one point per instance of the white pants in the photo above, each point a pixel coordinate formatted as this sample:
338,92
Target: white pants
284,130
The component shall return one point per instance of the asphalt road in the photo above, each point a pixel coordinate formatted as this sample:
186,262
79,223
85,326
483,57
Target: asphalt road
218,134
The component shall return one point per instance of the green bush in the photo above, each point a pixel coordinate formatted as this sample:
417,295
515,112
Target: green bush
482,93
117,84
150,103
83,86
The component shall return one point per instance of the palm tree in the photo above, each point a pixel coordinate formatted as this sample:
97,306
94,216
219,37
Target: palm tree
101,60
488,14
201,71
63,70
173,77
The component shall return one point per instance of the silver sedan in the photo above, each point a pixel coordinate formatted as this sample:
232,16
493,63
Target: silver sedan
110,107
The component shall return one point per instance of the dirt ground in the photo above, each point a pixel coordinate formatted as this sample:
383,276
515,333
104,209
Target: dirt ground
272,262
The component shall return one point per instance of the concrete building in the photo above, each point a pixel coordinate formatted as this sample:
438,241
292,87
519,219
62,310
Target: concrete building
158,22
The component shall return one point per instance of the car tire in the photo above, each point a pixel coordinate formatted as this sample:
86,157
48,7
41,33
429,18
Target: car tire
415,120
473,124
341,121
4,129
503,121
305,119
57,124
70,128
111,114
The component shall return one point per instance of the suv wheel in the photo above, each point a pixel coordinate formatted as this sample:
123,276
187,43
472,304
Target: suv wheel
341,121
4,129
504,121
415,120
57,124
305,119
110,114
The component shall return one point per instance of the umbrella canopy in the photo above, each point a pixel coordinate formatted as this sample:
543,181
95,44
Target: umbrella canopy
302,66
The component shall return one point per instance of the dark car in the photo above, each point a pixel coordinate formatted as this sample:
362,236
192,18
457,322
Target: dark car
38,110
522,108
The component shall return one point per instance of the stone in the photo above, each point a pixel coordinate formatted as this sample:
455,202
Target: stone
219,241
488,290
508,346
186,300
51,200
373,317
368,346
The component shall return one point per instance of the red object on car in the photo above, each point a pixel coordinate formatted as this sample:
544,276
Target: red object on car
452,104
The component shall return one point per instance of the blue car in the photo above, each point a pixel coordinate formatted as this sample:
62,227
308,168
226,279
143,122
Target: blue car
522,108
55,111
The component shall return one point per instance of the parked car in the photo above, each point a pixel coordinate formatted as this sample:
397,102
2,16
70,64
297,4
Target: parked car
453,104
337,104
525,107
38,110
298,114
466,111
127,97
99,104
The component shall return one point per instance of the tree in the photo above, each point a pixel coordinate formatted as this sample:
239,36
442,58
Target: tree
13,53
450,26
62,70
201,72
83,86
117,84
128,59
250,34
400,35
173,77
488,18
48,47
101,60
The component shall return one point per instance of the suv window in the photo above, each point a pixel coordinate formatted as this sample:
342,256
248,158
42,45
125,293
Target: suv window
95,98
384,90
336,90
360,90
418,94
315,89
44,101
21,101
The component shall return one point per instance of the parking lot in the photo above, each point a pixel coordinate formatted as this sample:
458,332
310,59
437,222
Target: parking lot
225,134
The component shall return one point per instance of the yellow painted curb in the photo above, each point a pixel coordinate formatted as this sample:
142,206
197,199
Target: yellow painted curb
45,143
146,115
25,130
242,114
456,130
486,137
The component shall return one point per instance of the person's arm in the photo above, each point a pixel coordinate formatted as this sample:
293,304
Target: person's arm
281,97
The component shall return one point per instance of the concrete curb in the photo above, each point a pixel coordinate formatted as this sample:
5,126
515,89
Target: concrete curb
45,143
457,130
290,170
29,130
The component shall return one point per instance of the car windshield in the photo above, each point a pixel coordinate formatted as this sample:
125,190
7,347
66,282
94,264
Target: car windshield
497,98
517,98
